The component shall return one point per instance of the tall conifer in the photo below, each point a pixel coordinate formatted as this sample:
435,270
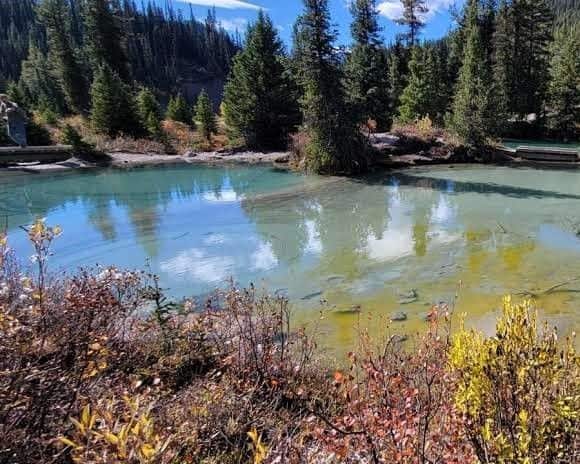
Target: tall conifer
260,101
205,116
104,38
55,16
113,109
367,75
564,88
334,141
413,12
471,107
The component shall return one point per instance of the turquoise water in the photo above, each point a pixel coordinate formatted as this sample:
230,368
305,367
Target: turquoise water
480,232
515,143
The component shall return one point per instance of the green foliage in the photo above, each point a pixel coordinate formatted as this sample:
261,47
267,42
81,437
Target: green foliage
149,112
15,93
335,144
471,117
55,16
104,36
533,22
564,89
503,72
178,110
37,134
419,94
38,84
204,116
366,73
413,10
260,103
81,148
519,391
113,109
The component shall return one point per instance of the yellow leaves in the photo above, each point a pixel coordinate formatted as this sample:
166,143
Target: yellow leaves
516,384
125,430
147,451
258,449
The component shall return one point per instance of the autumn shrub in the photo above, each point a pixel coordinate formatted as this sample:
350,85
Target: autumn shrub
395,404
519,391
101,367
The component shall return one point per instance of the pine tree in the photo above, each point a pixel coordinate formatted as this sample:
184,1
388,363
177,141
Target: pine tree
502,65
39,84
564,88
113,109
413,12
420,93
104,37
149,112
178,110
260,101
397,75
204,116
532,32
471,117
334,141
55,16
366,71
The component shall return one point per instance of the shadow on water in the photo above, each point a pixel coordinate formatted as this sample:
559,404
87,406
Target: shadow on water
456,186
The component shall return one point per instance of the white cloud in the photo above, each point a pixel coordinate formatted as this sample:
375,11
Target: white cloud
233,25
229,4
393,9
263,258
197,265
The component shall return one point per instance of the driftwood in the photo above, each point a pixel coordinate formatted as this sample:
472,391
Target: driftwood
551,289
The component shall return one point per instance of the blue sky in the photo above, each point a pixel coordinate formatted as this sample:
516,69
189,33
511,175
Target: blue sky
235,14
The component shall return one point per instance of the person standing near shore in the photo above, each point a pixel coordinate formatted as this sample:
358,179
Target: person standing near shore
15,119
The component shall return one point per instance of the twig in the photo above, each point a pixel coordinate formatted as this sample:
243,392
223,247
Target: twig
551,289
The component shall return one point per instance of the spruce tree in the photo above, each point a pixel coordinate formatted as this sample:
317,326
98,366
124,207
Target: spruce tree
367,83
413,12
204,116
564,88
149,112
260,101
502,65
420,94
532,35
334,142
55,16
397,75
39,83
471,117
104,38
178,110
113,110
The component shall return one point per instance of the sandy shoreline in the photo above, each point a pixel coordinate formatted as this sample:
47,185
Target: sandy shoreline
124,160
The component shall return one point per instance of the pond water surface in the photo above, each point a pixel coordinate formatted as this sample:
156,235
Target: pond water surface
480,232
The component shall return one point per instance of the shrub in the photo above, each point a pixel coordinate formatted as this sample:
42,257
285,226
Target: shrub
519,391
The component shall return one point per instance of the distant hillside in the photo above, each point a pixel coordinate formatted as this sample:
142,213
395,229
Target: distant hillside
166,49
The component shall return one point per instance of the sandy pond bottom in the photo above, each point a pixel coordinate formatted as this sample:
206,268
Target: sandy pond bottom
398,242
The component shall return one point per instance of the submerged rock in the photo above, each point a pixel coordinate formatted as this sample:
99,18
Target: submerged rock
409,297
310,296
399,316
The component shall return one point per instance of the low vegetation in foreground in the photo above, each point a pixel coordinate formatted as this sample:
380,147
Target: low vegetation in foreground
99,367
